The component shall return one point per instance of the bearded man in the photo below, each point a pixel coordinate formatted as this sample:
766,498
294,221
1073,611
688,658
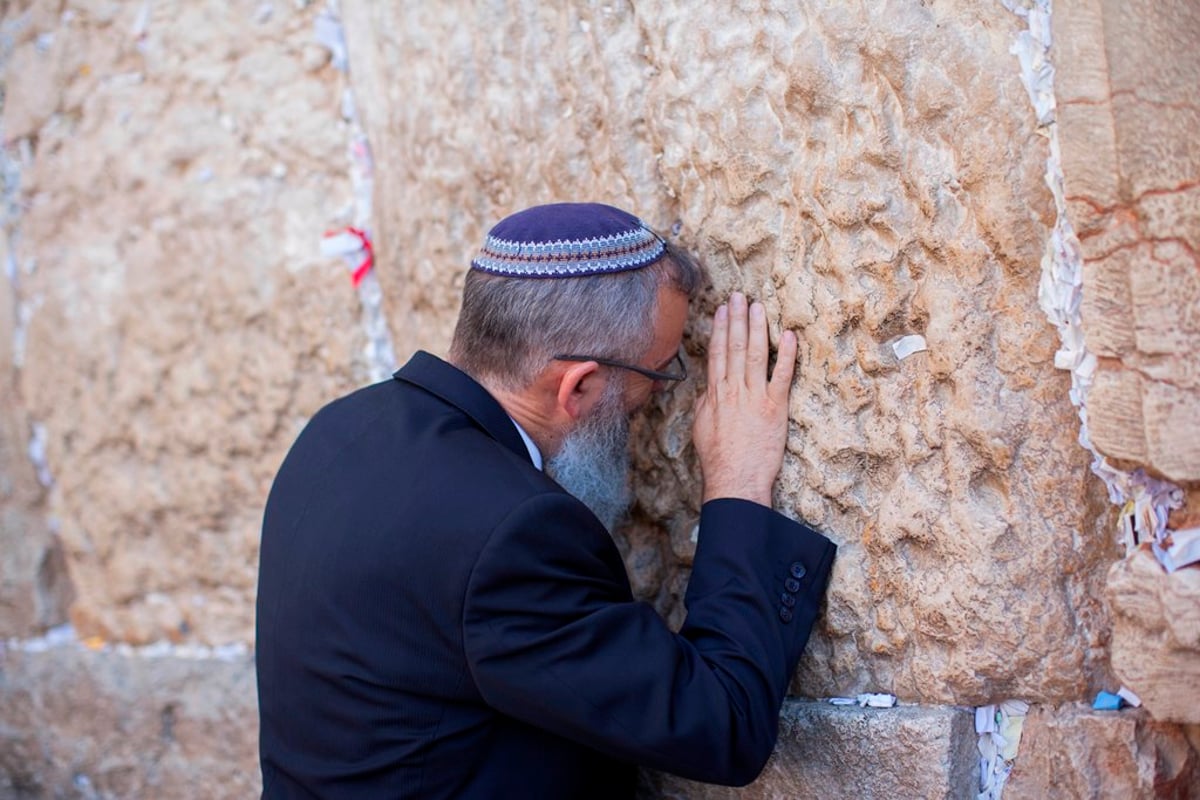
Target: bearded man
443,615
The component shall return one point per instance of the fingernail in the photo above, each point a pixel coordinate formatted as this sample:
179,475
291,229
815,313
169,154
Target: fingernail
756,310
722,310
737,297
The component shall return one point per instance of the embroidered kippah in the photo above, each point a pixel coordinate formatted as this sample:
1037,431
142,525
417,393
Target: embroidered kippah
566,240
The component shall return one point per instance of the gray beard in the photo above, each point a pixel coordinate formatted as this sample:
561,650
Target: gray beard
593,462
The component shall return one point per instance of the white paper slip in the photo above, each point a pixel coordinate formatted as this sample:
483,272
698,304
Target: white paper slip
905,346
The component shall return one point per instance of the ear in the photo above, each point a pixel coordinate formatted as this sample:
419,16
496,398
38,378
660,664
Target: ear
580,387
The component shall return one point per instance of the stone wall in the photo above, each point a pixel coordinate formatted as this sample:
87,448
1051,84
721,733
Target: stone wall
127,724
183,325
1078,753
819,159
1132,167
868,170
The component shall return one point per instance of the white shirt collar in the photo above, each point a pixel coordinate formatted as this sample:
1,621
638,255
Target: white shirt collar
535,455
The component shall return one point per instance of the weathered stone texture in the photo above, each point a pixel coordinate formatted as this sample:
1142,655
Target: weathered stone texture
868,170
1156,634
827,751
822,159
1131,162
80,724
1074,753
186,328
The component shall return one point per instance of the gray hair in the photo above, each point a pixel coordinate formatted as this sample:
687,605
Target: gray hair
510,328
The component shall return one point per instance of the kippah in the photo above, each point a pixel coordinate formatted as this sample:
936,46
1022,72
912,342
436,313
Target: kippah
565,240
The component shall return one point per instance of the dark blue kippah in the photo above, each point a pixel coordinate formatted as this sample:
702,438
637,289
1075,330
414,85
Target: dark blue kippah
565,240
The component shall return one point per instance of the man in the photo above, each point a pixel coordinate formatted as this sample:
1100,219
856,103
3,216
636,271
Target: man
443,614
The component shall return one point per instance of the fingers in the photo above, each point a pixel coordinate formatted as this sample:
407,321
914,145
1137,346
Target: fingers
717,344
739,349
785,368
735,362
756,350
741,422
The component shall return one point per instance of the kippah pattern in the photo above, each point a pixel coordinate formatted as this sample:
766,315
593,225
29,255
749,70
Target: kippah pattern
566,240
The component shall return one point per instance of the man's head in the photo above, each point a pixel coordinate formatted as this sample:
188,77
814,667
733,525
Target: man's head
566,278
583,280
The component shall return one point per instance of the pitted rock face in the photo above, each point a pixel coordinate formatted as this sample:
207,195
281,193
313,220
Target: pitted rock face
868,170
868,173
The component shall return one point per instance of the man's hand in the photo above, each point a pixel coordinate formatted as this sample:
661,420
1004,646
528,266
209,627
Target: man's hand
741,420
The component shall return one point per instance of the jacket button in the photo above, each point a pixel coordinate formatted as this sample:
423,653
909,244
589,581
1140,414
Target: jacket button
792,585
788,600
798,570
785,614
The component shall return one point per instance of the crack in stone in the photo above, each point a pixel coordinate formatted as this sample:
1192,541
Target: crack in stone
1096,207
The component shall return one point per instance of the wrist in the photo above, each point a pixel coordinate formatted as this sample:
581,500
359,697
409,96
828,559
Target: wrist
719,492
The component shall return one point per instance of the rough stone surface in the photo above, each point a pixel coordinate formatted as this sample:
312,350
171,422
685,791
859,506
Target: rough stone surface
820,158
1074,753
186,325
1123,70
80,724
34,586
830,751
868,170
1156,634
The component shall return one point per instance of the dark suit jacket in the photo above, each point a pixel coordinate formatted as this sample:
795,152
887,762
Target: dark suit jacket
438,619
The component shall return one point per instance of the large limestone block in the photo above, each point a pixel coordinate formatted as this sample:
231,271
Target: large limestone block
1122,71
1075,753
1156,634
868,171
186,325
922,753
81,724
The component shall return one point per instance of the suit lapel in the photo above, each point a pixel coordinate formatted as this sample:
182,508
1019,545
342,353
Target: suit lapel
461,391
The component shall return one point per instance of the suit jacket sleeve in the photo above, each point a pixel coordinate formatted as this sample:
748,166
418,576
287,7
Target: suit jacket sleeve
554,639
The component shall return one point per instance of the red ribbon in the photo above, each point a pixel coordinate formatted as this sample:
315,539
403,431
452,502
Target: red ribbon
368,261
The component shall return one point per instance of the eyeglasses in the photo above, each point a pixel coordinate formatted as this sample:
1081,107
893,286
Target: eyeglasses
666,377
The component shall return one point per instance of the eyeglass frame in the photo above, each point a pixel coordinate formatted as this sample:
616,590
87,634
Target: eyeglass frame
664,377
